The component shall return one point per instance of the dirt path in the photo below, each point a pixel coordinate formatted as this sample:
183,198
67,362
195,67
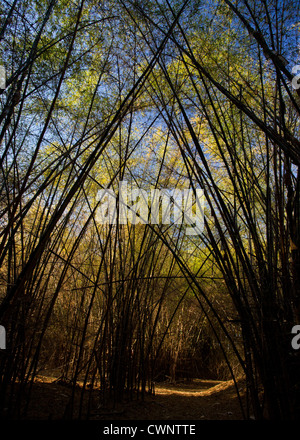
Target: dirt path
196,400
201,399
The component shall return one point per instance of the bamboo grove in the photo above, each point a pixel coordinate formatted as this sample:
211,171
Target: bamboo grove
183,94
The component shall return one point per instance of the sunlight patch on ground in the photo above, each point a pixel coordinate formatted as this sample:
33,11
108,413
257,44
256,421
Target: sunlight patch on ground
190,390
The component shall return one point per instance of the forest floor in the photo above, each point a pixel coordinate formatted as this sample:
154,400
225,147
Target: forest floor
187,400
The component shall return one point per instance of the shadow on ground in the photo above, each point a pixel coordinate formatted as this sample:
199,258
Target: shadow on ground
193,400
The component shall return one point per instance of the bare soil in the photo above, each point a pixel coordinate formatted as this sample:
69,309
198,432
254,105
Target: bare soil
193,400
